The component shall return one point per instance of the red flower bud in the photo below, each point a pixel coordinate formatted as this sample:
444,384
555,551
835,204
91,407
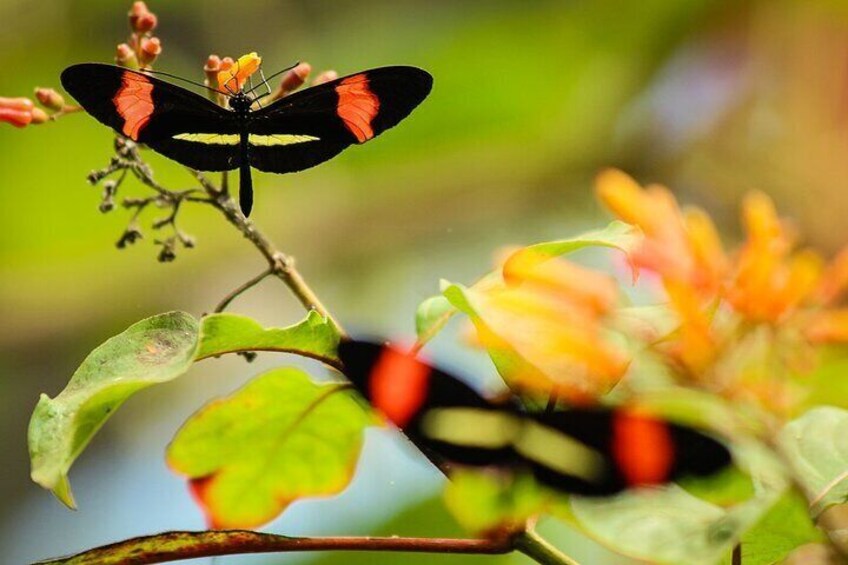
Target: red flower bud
24,104
18,118
213,64
151,47
125,56
326,76
138,9
49,98
39,116
294,78
146,23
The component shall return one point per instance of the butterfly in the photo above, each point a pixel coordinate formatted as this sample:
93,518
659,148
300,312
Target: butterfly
586,451
292,133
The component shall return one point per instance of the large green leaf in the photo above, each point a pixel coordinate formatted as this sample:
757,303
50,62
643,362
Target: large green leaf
784,527
280,438
816,446
152,351
667,525
315,337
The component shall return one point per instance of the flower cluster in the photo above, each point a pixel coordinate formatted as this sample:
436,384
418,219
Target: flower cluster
749,323
142,48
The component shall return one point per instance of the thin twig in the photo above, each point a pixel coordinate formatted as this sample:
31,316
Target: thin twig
281,265
173,546
243,288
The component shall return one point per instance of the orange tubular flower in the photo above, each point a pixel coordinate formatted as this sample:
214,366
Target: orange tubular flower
233,76
745,322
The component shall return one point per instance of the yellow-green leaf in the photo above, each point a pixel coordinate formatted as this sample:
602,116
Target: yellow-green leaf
151,351
315,337
280,438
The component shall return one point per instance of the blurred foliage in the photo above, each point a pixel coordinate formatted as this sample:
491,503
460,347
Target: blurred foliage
530,100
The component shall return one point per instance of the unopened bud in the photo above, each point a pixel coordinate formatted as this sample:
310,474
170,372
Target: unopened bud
39,116
125,56
325,76
18,118
295,78
168,253
210,69
49,98
151,47
146,23
130,236
20,103
138,9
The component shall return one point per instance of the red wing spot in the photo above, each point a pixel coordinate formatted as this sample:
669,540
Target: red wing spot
398,386
642,448
134,103
358,106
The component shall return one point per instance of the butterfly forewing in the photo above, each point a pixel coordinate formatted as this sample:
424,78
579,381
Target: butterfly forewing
319,122
152,111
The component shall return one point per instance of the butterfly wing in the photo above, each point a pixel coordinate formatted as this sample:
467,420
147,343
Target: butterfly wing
592,452
176,122
308,127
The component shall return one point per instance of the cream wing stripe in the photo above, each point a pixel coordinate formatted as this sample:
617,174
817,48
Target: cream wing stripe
254,139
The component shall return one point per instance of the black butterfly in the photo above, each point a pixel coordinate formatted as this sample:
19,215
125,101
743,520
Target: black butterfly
291,134
592,452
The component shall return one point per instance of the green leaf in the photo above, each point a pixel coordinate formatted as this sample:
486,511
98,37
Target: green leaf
484,502
431,316
667,525
616,235
315,337
784,527
280,438
816,446
151,351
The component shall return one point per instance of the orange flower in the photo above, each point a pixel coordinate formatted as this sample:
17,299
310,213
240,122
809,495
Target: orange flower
233,75
552,313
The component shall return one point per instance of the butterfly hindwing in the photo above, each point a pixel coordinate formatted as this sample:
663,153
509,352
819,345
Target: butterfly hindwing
587,451
319,122
166,117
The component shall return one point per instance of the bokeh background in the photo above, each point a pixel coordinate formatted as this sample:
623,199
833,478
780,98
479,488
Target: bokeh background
531,99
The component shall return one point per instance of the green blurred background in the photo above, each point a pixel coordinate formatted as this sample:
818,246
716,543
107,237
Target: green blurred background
530,100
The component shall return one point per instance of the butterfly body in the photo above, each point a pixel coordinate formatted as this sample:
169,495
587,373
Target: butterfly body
291,134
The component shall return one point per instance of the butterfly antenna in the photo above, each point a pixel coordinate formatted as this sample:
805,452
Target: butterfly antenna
275,75
169,75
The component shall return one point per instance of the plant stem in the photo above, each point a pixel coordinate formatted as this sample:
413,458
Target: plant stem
281,265
173,546
539,550
241,289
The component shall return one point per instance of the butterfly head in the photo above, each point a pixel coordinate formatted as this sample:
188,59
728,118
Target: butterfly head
240,102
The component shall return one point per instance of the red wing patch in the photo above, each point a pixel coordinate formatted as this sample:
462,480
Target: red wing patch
642,447
358,106
134,103
398,386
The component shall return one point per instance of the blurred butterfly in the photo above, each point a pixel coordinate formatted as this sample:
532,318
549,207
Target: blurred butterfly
592,452
291,134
